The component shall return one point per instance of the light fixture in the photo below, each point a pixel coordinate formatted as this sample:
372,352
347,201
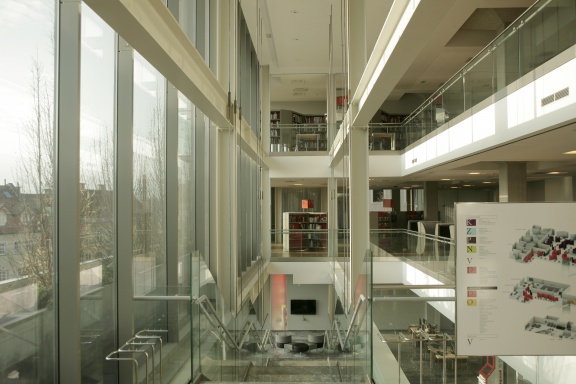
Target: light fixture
445,179
298,184
570,153
555,173
486,182
467,185
473,173
455,187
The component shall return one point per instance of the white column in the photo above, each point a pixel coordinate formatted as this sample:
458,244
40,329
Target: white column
512,182
431,200
559,189
359,204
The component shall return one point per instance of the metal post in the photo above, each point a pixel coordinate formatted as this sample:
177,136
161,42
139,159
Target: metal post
444,360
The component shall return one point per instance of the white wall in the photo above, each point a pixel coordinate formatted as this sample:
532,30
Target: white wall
318,292
302,107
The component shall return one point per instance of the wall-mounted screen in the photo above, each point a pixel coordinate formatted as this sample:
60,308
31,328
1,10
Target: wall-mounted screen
302,307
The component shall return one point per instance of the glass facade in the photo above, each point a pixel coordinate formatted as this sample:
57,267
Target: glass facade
168,252
27,111
97,251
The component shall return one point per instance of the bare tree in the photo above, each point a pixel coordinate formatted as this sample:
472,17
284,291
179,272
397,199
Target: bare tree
35,174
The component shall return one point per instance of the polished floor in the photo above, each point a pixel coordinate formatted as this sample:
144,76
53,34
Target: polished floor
275,365
428,368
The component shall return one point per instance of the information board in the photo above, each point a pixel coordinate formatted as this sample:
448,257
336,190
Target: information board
515,279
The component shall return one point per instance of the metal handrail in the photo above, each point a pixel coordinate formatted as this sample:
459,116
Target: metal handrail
205,300
141,335
361,300
144,344
133,360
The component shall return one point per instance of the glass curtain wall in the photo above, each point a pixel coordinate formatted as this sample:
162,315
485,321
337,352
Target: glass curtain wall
97,240
27,110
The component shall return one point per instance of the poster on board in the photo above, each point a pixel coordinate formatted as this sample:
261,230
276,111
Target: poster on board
515,279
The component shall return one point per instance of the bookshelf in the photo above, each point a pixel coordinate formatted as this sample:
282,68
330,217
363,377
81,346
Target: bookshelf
292,131
304,231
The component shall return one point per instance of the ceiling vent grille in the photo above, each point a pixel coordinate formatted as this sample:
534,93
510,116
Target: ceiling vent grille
555,96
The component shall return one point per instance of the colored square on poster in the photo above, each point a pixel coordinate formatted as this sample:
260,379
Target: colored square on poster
471,222
471,302
471,240
471,269
472,293
471,248
471,231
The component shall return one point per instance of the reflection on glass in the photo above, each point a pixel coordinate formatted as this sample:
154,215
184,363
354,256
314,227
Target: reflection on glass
149,196
26,192
97,196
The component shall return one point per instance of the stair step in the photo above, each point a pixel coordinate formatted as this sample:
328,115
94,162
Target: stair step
294,374
302,363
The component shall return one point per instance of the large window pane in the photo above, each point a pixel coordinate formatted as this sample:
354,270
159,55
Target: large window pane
97,310
26,191
149,200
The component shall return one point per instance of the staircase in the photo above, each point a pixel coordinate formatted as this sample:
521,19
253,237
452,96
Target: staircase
276,371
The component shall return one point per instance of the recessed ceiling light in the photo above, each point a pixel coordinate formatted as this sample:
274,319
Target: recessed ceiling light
474,173
467,185
455,187
297,184
445,179
486,182
556,173
570,153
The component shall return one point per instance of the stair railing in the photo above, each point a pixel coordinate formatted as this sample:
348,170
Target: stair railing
351,328
204,303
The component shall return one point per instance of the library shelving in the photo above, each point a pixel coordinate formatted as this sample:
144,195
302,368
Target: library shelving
292,131
304,231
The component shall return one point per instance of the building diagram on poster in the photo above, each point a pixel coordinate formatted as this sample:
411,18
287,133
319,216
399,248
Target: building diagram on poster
515,272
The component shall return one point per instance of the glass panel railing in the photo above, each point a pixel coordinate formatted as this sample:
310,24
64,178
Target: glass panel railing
300,243
351,329
544,31
225,345
298,138
432,255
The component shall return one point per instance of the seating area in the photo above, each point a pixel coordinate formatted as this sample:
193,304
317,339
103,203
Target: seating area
313,341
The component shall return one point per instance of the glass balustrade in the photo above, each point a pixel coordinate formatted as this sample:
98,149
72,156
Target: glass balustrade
544,31
298,138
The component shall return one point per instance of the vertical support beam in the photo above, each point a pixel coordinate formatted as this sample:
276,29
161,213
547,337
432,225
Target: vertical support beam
431,200
332,215
67,194
226,195
265,105
266,211
331,109
172,208
512,181
123,187
359,204
278,238
357,42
